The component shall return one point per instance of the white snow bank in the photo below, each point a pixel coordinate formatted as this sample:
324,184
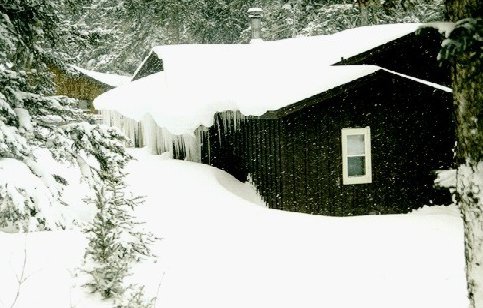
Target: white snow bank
223,252
438,210
180,101
48,261
220,250
112,80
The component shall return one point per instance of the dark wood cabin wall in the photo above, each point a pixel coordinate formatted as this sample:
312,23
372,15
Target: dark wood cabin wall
252,149
411,135
262,160
224,148
287,176
296,162
414,55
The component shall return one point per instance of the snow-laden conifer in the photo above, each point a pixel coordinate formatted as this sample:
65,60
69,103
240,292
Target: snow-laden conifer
32,119
116,241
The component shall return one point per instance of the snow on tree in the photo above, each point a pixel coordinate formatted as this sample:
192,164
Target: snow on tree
32,119
136,298
116,241
117,35
463,48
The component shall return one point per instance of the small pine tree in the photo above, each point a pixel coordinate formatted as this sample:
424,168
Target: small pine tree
115,242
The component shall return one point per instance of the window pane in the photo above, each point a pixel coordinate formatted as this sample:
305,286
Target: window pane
355,145
356,166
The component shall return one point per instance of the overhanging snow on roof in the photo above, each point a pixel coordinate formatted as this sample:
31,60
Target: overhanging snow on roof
199,80
181,102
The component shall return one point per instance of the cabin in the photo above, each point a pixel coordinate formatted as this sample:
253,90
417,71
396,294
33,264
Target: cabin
368,146
353,123
82,84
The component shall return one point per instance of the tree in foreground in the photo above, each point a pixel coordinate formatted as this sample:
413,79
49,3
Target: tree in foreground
33,121
463,48
116,241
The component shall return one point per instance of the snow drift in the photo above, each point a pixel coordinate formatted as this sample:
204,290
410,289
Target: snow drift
221,248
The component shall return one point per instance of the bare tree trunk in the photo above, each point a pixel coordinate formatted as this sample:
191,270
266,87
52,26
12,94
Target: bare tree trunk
364,11
467,79
470,194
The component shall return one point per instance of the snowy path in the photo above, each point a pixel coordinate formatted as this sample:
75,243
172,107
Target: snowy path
219,250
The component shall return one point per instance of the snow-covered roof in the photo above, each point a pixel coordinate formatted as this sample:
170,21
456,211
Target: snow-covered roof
323,49
112,80
199,80
180,102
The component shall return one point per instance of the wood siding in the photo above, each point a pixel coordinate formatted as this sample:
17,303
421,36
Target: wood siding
249,151
78,86
294,156
412,134
414,55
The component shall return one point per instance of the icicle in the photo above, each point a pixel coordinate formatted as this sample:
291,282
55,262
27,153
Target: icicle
127,126
147,133
231,120
158,140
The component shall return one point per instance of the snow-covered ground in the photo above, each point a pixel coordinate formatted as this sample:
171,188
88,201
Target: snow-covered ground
221,247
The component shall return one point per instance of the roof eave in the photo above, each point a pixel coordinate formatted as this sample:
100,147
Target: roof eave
359,82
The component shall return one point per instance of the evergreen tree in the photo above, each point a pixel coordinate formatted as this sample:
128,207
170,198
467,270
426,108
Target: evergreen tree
115,242
31,119
31,33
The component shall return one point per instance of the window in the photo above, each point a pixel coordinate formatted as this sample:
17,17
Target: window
356,156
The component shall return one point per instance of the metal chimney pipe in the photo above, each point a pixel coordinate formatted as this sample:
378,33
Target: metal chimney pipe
256,15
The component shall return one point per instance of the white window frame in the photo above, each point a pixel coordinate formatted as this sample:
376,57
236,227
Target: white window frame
363,179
